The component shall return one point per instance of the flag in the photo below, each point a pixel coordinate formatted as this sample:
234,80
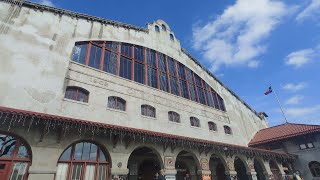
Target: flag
268,91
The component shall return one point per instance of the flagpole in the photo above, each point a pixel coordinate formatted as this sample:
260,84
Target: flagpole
275,94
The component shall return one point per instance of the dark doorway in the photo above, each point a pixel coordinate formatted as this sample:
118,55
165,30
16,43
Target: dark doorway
241,169
259,170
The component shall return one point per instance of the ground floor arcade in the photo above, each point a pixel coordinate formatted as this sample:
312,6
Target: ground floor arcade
37,147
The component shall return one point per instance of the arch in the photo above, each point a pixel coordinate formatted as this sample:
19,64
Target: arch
227,129
115,102
144,162
156,28
174,116
147,110
241,168
218,166
15,156
275,170
212,126
77,94
85,159
260,169
164,27
194,122
187,163
171,37
314,167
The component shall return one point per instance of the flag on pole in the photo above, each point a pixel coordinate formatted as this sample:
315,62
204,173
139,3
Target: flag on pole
268,91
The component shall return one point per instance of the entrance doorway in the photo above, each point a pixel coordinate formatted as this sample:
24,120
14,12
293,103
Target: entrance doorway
186,166
143,164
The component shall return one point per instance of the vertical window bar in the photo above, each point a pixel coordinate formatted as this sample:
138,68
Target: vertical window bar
102,55
168,77
88,53
178,78
119,56
133,62
157,71
204,91
195,86
145,66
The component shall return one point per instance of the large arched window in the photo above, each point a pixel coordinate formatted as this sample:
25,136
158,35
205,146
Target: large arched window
147,110
194,122
83,161
15,157
149,67
77,94
174,117
227,130
116,103
314,167
212,126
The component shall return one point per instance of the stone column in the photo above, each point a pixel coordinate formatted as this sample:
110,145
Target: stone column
232,173
170,174
252,175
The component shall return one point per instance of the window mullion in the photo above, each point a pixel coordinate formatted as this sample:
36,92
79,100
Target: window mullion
118,59
195,87
204,92
102,55
177,75
88,53
157,71
132,63
167,73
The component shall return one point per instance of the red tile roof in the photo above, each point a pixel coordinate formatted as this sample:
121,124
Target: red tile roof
281,132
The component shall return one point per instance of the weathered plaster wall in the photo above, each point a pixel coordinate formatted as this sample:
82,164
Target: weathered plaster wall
36,47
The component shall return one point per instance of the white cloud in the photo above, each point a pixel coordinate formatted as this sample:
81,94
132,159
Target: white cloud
294,100
294,87
253,64
311,11
46,2
301,57
303,111
236,36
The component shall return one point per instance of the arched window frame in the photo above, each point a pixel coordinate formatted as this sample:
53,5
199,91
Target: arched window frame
314,168
118,103
20,158
212,126
147,110
171,37
164,27
77,94
156,28
227,130
194,122
71,161
174,117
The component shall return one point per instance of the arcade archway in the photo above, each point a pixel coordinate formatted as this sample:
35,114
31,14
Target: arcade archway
186,165
217,167
275,170
260,169
241,169
144,163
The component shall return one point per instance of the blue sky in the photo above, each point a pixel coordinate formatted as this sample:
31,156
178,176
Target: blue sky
247,44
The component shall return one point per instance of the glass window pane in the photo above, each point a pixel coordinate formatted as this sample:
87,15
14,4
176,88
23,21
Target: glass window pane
163,82
66,155
7,146
189,75
209,99
152,78
79,53
139,73
22,152
112,102
102,157
121,104
95,56
110,62
125,68
171,66
201,95
126,49
174,86
62,171
162,62
221,104
71,93
93,152
76,172
89,174
193,95
184,89
102,172
78,151
86,151
18,171
198,80
151,57
113,46
139,53
215,100
181,71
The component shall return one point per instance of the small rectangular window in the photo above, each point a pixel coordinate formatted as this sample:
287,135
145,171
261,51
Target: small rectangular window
310,145
125,68
303,146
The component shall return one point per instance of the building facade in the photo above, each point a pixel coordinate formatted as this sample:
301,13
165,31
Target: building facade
88,98
299,139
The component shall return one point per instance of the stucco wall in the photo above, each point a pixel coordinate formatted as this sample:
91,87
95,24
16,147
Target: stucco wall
36,46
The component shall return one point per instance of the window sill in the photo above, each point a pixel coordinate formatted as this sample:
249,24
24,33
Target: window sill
212,131
195,127
148,117
116,110
77,102
174,123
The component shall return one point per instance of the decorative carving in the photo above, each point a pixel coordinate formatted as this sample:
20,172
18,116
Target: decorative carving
99,82
251,165
169,162
204,164
230,164
119,164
